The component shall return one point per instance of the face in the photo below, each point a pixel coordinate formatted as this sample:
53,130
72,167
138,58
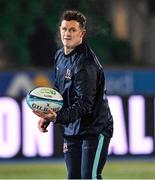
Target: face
71,34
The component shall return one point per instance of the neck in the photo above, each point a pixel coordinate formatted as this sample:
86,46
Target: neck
68,50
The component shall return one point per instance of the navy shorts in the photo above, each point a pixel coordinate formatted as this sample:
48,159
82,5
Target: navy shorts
86,157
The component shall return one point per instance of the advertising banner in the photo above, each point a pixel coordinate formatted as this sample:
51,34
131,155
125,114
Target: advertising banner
133,111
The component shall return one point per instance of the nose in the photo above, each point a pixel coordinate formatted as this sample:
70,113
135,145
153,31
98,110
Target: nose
67,32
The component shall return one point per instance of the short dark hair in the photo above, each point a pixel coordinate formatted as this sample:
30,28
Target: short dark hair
69,15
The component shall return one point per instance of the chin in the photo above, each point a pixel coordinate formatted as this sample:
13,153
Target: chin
69,46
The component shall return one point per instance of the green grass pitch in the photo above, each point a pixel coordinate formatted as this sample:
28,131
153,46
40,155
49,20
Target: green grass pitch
57,170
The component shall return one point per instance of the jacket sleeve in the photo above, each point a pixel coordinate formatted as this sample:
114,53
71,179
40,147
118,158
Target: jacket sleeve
55,66
85,86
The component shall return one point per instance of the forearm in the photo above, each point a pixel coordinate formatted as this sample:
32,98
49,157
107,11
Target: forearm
77,111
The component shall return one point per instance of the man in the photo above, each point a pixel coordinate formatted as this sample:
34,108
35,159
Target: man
85,116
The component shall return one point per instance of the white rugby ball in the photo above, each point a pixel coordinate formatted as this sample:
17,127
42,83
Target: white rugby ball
44,98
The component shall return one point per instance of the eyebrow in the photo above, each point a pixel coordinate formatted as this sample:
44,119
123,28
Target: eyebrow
69,27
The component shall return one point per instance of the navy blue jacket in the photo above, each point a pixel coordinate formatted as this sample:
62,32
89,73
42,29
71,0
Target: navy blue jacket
79,77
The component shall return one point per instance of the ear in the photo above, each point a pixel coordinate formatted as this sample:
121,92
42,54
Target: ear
83,33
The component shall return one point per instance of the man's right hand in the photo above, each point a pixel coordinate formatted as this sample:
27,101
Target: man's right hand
42,125
45,119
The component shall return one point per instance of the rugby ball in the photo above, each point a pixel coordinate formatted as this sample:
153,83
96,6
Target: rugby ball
44,98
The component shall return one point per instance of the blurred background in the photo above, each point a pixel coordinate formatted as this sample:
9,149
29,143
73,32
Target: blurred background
122,33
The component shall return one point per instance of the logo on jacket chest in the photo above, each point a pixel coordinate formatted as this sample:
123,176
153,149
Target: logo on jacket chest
68,74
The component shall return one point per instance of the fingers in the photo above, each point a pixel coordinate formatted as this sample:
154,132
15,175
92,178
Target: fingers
50,116
45,119
42,125
39,113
